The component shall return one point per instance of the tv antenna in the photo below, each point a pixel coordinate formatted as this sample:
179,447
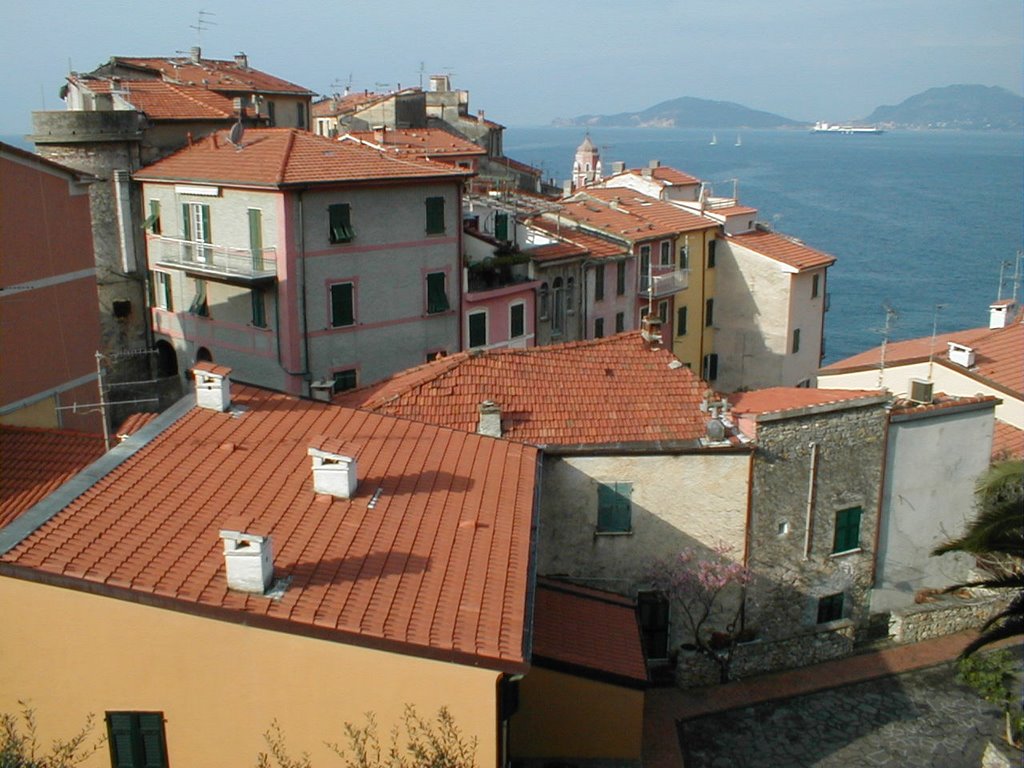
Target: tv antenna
1014,280
891,315
931,345
202,24
422,70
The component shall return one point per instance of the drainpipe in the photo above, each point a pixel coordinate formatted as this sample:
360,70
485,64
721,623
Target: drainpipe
302,284
812,477
882,485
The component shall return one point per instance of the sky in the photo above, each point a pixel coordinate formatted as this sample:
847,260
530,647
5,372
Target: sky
527,62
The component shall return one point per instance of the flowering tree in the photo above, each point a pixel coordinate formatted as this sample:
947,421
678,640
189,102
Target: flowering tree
700,586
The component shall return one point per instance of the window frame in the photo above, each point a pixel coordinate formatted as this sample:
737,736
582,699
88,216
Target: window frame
614,508
684,256
258,302
128,730
709,313
543,298
681,318
512,321
712,248
815,285
846,537
620,322
598,327
200,306
339,224
163,295
152,222
830,608
709,367
796,340
335,309
470,317
435,223
557,306
665,258
433,295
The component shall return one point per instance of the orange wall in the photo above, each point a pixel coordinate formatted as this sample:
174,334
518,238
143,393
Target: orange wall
219,685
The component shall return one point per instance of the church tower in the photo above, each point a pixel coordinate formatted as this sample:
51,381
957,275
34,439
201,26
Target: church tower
586,168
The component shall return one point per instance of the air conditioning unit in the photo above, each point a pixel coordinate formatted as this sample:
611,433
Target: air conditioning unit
322,390
920,391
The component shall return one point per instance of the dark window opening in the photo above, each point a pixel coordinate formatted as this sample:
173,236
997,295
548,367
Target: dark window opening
343,311
137,739
830,608
344,380
340,216
652,615
435,215
122,310
437,293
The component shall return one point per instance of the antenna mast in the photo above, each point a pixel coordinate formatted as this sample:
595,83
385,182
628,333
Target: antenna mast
931,345
890,315
202,23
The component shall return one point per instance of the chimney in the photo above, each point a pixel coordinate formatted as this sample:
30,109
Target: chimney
334,467
654,164
195,54
380,133
618,166
248,556
961,354
213,386
999,314
480,114
490,419
241,60
236,105
650,330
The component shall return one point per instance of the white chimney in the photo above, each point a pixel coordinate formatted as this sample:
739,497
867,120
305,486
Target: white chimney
335,470
195,54
490,419
999,314
249,558
961,354
213,386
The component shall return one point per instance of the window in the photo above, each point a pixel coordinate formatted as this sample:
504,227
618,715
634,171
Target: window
815,285
620,322
300,116
477,329
645,253
666,253
557,305
796,340
684,256
195,229
435,215
599,282
122,309
711,253
256,237
501,226
847,530
570,295
652,616
516,320
709,368
614,508
830,608
200,306
162,291
271,119
620,278
340,215
345,380
598,327
343,305
136,739
259,308
152,222
542,301
681,321
709,313
663,311
437,293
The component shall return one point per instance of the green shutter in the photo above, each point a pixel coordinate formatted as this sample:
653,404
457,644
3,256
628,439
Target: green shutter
259,308
119,734
711,253
478,329
152,222
613,507
681,321
186,222
599,282
518,321
340,222
435,215
501,226
847,530
342,305
151,733
256,237
437,296
207,233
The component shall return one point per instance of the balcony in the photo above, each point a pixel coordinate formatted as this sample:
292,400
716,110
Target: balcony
664,281
217,262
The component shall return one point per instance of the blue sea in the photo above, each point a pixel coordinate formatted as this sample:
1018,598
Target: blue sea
918,220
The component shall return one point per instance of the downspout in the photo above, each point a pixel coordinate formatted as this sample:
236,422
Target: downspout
302,285
881,492
460,271
812,477
703,306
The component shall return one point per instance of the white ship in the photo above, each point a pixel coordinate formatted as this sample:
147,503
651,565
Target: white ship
821,127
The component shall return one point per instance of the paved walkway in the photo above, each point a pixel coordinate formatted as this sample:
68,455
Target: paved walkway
665,707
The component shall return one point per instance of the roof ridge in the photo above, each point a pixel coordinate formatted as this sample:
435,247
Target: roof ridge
286,156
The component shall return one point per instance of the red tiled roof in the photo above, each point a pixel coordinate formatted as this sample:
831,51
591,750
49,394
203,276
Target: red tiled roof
630,215
215,74
161,100
607,390
35,462
776,399
430,142
783,249
666,174
555,251
940,402
596,247
584,629
1007,442
999,354
134,423
515,165
280,157
430,556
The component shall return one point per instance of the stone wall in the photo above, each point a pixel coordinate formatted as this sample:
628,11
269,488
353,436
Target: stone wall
945,617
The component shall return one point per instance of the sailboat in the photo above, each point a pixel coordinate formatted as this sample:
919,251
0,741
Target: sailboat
739,141
714,139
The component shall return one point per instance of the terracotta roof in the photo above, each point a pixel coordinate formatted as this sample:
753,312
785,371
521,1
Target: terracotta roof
430,556
732,210
280,157
161,100
630,215
607,390
34,462
215,74
785,250
940,402
134,423
999,355
595,246
778,399
1007,442
665,174
429,142
515,165
584,630
555,251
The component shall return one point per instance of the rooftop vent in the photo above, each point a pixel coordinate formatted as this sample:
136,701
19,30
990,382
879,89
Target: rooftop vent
920,391
999,314
248,556
334,468
490,419
961,354
322,390
213,386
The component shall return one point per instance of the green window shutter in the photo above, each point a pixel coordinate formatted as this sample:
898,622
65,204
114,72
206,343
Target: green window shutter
681,321
614,507
340,223
517,321
207,234
599,282
256,237
121,739
152,222
437,296
435,215
259,308
342,305
477,329
711,253
709,313
501,226
620,278
847,529
186,222
151,738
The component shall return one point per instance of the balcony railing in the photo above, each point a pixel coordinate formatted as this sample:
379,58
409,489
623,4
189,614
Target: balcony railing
214,260
664,281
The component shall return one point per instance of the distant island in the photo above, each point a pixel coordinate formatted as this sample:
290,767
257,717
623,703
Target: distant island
968,107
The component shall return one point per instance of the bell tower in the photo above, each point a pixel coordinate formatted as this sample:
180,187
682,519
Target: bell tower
586,168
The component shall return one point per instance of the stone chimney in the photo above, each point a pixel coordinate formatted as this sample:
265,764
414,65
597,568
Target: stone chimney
248,556
241,60
195,54
490,419
213,386
1000,312
335,471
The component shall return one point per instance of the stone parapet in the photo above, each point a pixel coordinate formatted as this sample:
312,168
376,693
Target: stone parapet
944,617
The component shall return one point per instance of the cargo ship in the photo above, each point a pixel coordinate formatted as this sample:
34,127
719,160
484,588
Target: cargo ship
821,127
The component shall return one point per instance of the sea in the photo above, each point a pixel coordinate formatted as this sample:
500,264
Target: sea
921,222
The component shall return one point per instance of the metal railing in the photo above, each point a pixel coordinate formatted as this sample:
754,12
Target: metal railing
213,259
664,281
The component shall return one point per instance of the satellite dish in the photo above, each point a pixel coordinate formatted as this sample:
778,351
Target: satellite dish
235,137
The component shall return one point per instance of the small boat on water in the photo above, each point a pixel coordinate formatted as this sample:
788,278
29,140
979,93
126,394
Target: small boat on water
739,141
822,127
714,140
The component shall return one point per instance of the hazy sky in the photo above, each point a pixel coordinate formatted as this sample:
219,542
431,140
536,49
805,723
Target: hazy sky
527,62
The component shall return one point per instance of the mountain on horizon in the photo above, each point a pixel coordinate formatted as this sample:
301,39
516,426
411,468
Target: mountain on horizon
955,106
686,112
